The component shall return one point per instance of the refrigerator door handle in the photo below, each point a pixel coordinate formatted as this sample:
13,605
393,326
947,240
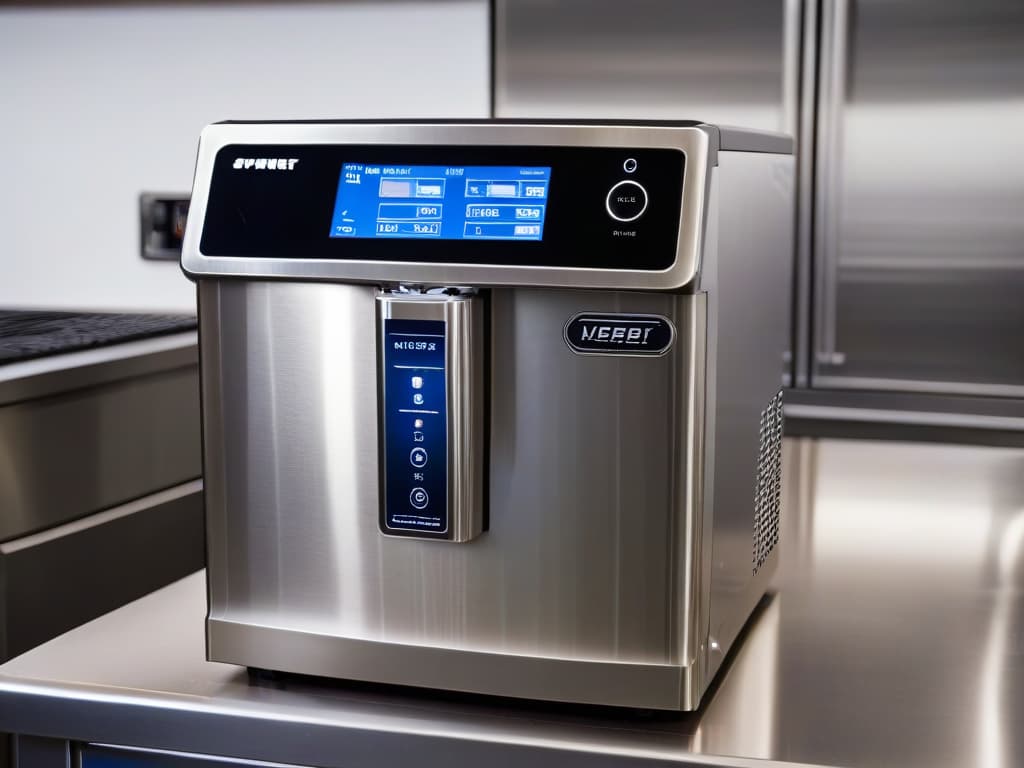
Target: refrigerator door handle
829,177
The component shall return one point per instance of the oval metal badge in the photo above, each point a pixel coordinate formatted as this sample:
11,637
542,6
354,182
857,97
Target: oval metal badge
596,333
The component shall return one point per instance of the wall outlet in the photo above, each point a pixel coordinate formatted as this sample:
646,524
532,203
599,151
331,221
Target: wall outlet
162,224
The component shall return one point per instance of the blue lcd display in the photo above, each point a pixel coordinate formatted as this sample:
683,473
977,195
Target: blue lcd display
415,427
499,202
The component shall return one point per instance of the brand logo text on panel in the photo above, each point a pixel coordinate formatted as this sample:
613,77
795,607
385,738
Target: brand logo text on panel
591,333
265,163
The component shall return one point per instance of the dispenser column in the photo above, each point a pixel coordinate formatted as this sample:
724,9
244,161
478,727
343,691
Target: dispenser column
431,355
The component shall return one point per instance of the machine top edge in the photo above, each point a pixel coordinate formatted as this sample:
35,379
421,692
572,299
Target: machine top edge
730,138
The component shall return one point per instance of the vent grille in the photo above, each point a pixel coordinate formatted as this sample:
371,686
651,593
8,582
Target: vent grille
768,493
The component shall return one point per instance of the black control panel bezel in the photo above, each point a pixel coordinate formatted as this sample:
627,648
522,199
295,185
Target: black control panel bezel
287,214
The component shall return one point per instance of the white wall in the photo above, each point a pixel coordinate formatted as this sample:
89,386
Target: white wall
100,103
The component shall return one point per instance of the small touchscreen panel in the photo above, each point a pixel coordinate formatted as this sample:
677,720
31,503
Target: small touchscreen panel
415,427
446,202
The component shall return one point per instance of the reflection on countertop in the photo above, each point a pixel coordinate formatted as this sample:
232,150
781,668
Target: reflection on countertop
900,605
894,639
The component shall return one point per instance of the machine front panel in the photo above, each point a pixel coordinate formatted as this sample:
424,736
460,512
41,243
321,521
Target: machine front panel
609,208
538,581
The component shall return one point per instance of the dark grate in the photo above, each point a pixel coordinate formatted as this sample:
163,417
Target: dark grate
767,496
26,335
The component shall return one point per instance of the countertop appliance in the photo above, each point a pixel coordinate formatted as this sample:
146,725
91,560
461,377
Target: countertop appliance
491,406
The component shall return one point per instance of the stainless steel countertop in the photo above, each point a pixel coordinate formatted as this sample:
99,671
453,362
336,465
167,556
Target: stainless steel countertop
896,639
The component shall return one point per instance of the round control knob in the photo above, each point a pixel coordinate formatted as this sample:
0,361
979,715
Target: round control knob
626,201
418,498
418,457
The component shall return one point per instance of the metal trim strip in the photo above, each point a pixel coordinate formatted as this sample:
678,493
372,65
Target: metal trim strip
581,681
101,518
915,418
911,385
89,367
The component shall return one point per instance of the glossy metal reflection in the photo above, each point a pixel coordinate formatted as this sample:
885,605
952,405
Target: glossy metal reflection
892,640
918,255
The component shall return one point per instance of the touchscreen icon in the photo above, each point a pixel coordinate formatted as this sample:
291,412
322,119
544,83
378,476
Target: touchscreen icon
418,457
418,498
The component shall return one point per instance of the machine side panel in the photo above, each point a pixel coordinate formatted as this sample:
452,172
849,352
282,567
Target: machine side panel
749,283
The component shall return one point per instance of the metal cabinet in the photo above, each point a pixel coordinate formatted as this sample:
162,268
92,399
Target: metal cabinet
909,118
100,458
919,197
733,62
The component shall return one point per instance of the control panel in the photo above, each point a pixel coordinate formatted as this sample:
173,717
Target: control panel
431,360
589,207
415,427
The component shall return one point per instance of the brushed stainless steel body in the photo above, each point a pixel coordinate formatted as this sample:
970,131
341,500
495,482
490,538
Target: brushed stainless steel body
617,567
581,566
